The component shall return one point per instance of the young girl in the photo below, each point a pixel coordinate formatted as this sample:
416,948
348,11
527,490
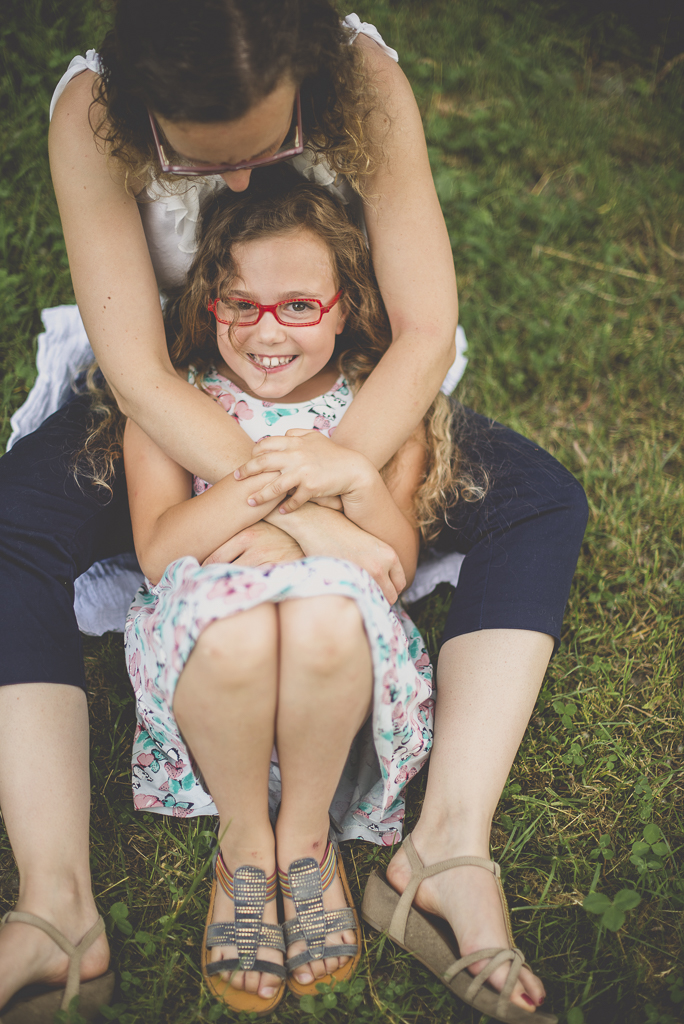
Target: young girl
280,322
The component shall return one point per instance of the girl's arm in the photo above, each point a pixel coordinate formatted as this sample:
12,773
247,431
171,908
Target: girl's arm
379,509
414,267
117,295
167,521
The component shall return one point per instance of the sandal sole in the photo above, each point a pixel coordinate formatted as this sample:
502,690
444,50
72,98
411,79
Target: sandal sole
429,946
41,1009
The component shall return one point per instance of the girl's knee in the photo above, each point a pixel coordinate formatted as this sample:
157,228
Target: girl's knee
322,633
238,648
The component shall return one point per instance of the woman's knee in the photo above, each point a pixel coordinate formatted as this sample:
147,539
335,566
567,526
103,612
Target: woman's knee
322,633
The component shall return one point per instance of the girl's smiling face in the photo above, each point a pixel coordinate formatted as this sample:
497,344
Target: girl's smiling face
268,359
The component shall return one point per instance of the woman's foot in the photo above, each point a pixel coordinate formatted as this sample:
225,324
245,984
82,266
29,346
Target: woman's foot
28,955
256,982
334,898
468,898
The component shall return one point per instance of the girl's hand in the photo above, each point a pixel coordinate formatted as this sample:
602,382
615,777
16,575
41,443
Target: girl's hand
311,466
261,544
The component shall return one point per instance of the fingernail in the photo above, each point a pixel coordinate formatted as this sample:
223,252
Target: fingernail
541,1000
251,501
282,510
236,474
527,999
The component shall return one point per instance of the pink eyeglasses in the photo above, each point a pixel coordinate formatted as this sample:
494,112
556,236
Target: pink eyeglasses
289,313
292,146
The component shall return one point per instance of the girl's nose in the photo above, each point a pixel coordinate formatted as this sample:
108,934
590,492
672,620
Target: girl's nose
237,181
269,329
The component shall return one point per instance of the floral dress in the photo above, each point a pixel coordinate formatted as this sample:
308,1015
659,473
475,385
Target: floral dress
165,621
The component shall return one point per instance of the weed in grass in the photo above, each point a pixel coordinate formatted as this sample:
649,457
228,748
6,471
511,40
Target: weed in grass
547,134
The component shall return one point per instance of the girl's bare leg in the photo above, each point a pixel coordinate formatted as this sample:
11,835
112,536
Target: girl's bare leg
45,800
487,684
225,706
325,695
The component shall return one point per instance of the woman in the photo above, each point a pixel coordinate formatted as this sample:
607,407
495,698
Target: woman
167,72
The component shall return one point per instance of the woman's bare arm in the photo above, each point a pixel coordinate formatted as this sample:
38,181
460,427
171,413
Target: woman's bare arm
117,295
415,270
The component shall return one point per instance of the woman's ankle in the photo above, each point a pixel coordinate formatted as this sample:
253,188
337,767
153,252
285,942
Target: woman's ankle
452,836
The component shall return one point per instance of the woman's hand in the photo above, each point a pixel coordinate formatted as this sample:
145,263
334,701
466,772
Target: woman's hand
311,467
261,544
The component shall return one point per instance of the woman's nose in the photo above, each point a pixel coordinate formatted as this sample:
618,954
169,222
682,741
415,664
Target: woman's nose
237,181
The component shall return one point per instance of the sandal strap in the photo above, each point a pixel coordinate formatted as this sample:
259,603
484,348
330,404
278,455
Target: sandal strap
344,949
224,934
265,966
335,921
397,928
249,887
75,953
304,876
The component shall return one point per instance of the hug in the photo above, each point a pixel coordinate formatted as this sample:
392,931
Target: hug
276,449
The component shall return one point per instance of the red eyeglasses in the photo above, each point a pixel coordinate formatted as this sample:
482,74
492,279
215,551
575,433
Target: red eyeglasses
289,313
293,145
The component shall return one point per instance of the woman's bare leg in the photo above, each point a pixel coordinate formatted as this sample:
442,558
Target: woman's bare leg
487,684
225,706
325,695
45,800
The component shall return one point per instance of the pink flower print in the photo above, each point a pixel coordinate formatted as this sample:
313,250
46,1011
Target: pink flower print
215,390
398,713
423,661
321,423
143,801
175,769
145,759
242,411
332,431
200,486
389,837
134,671
267,405
164,788
405,774
227,400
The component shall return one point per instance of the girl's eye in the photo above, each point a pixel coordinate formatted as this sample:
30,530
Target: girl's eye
299,309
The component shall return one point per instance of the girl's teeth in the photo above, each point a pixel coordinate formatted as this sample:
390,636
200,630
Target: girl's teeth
269,361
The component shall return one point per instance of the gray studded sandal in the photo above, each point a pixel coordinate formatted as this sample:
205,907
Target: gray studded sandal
38,1004
250,891
304,884
436,947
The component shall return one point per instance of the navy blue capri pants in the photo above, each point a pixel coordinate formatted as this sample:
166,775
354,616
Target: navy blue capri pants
521,541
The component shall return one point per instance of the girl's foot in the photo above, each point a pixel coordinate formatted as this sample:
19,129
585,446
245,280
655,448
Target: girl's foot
256,982
29,956
468,898
334,898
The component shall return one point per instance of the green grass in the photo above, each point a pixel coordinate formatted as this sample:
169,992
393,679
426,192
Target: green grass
544,131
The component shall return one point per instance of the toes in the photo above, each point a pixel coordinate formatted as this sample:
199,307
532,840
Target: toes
304,976
331,964
236,978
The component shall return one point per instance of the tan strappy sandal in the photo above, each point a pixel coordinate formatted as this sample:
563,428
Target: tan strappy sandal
250,890
434,944
37,1004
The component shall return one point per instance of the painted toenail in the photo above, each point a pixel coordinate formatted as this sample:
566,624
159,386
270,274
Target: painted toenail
527,999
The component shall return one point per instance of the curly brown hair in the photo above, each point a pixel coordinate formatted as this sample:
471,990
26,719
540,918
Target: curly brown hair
278,202
213,60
